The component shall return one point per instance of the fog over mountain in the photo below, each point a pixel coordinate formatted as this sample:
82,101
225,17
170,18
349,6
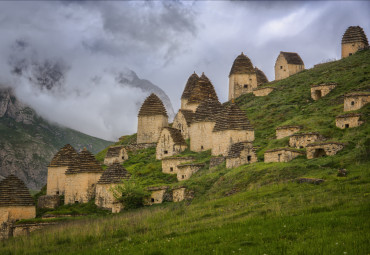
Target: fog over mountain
89,65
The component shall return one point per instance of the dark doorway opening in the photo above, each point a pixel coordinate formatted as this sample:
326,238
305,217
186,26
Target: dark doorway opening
249,158
319,153
346,125
318,94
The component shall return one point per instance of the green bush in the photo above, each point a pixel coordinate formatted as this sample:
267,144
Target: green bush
130,193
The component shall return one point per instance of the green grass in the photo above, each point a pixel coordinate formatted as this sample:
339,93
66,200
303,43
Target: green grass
251,209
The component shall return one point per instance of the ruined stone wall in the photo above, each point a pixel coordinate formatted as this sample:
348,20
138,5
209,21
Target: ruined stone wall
201,136
140,146
48,201
216,161
262,91
80,187
13,213
301,141
240,84
178,194
150,127
318,92
170,165
348,122
352,103
123,156
349,49
247,156
56,180
158,196
330,149
104,197
186,171
180,123
288,131
280,156
222,140
166,146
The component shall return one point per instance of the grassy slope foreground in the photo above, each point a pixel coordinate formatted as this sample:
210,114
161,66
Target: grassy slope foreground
252,209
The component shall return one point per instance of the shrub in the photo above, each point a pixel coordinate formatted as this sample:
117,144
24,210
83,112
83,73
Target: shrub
130,193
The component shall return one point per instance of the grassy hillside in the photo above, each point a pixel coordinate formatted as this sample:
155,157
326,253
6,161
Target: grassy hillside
252,209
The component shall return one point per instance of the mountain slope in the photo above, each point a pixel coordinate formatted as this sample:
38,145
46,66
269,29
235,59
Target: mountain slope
28,142
253,209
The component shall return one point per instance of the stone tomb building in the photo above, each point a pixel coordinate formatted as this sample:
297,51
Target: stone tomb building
356,100
104,196
287,64
321,90
56,170
232,126
16,202
281,155
202,90
261,92
170,143
240,154
284,131
170,164
188,90
185,171
178,194
350,120
182,122
203,124
301,140
353,39
317,150
243,77
115,154
81,178
151,119
158,195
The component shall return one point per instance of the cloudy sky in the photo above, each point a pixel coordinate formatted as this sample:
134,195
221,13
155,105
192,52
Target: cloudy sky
163,42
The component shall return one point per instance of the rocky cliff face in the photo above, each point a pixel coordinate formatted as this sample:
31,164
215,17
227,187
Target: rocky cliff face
28,142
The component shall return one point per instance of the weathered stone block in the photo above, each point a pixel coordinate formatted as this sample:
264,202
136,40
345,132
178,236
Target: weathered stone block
48,201
285,131
281,155
319,91
317,150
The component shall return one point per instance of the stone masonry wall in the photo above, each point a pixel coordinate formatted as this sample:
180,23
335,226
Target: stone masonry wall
180,123
302,140
123,156
352,103
240,84
351,48
261,92
320,91
150,127
56,180
348,122
216,161
13,213
280,156
201,136
166,146
80,187
222,140
247,156
178,194
186,171
170,165
48,201
317,150
104,197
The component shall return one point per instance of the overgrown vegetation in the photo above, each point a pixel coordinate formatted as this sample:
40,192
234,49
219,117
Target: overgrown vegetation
130,193
252,209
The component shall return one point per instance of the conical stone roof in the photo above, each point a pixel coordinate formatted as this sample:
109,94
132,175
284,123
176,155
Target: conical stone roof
203,89
190,86
176,136
188,115
232,118
292,58
64,157
114,174
208,111
261,77
85,163
13,192
152,106
354,34
242,65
